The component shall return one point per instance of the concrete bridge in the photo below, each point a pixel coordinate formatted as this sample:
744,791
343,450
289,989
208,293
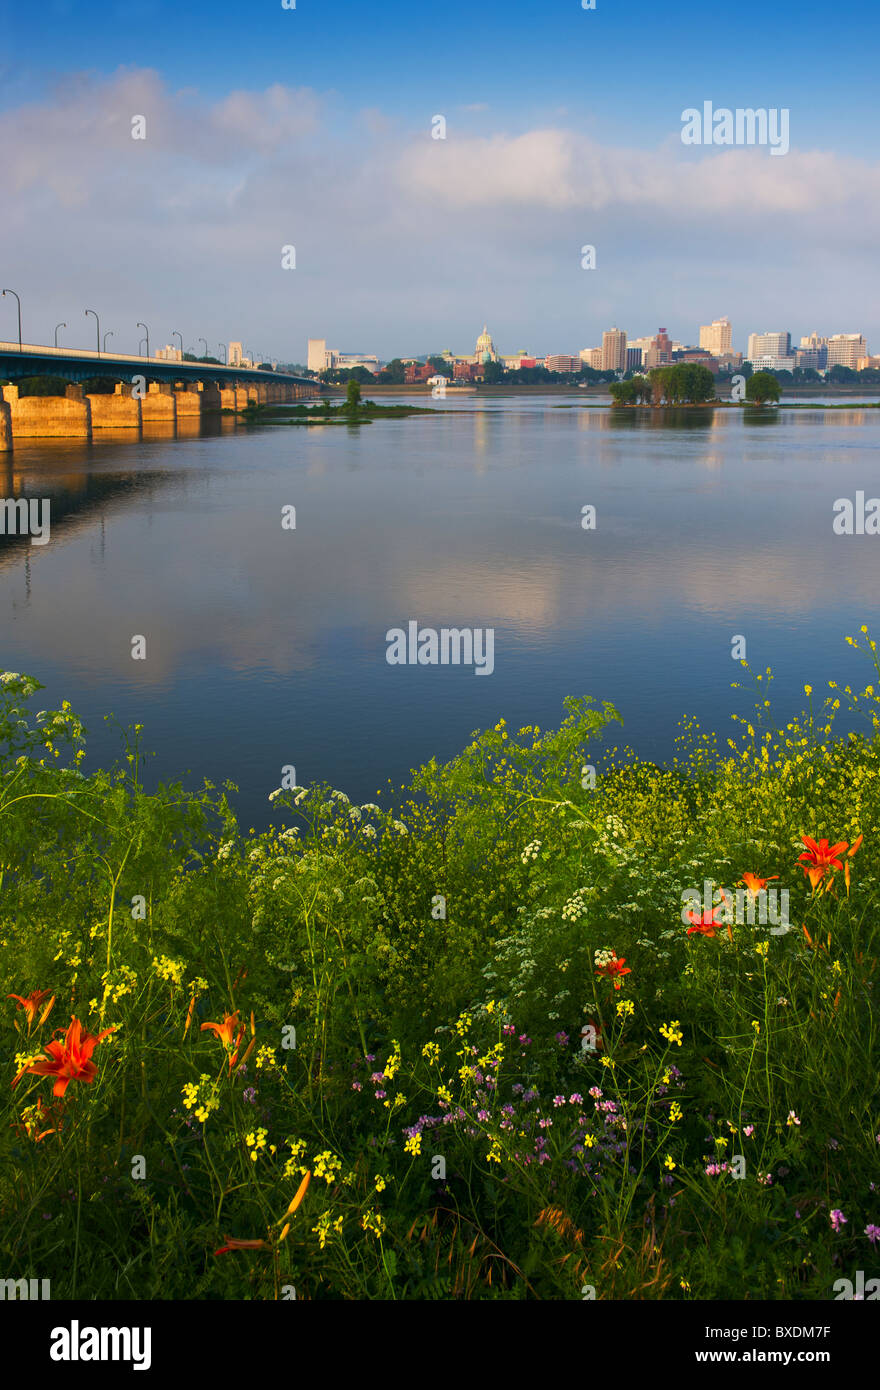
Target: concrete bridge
149,390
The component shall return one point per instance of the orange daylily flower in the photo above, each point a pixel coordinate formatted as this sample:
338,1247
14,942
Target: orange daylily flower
70,1060
707,924
756,885
849,854
31,1002
234,1244
614,969
226,1032
819,858
189,1015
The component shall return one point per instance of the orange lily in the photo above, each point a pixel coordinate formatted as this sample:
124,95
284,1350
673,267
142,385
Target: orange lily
225,1031
234,1244
849,854
70,1060
819,858
31,1002
706,923
756,885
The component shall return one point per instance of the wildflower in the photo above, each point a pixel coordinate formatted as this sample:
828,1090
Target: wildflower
35,1117
873,1233
838,1220
756,885
613,969
265,1057
672,1032
849,854
675,1111
669,1162
31,1002
232,1243
413,1145
225,1031
70,1060
373,1221
326,1165
706,923
748,1131
819,858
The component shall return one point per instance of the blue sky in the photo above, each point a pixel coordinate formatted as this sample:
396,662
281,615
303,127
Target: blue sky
311,127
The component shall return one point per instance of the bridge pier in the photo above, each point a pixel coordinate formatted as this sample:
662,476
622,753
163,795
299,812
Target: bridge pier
159,405
5,427
46,417
119,411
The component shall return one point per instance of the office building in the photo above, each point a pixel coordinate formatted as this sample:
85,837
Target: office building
717,337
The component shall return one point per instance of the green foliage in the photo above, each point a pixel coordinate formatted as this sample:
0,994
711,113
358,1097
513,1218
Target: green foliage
762,387
405,989
682,383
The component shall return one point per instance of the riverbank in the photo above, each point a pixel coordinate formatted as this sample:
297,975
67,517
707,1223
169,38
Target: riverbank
474,1048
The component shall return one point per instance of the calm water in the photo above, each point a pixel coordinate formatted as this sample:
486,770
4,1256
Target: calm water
267,647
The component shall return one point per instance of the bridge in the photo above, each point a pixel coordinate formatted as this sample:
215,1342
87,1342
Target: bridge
148,390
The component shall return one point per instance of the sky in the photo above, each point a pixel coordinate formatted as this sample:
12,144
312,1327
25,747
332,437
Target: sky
311,128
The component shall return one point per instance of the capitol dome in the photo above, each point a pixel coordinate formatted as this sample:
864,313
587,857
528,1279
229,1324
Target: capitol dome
485,351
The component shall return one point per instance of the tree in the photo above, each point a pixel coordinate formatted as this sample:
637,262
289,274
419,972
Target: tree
442,366
353,394
493,373
623,392
840,374
761,387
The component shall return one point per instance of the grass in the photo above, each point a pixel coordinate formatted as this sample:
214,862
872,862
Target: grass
477,1021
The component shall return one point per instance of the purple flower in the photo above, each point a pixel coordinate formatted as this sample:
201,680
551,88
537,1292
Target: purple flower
482,1114
873,1233
380,1095
508,1030
526,1042
356,1086
838,1220
575,1099
562,1039
249,1094
558,1100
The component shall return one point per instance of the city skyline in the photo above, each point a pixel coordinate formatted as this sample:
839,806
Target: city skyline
274,139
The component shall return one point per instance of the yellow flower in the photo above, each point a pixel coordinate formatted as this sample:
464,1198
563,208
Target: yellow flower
762,948
672,1032
669,1162
675,1111
413,1145
265,1057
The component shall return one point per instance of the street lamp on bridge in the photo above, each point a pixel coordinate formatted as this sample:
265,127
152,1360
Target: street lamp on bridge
18,302
205,341
147,331
175,334
140,345
57,326
108,334
225,354
97,328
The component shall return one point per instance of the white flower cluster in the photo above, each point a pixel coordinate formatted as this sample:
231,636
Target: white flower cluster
531,851
223,851
604,957
576,906
399,826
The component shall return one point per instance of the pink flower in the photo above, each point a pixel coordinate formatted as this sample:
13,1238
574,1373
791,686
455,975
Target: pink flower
838,1220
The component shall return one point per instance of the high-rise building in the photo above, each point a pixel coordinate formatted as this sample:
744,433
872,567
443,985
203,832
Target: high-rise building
815,357
234,354
562,362
845,349
814,341
633,358
717,337
659,354
769,345
317,358
613,350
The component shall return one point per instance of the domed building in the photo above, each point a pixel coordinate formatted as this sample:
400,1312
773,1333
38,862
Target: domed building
485,351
